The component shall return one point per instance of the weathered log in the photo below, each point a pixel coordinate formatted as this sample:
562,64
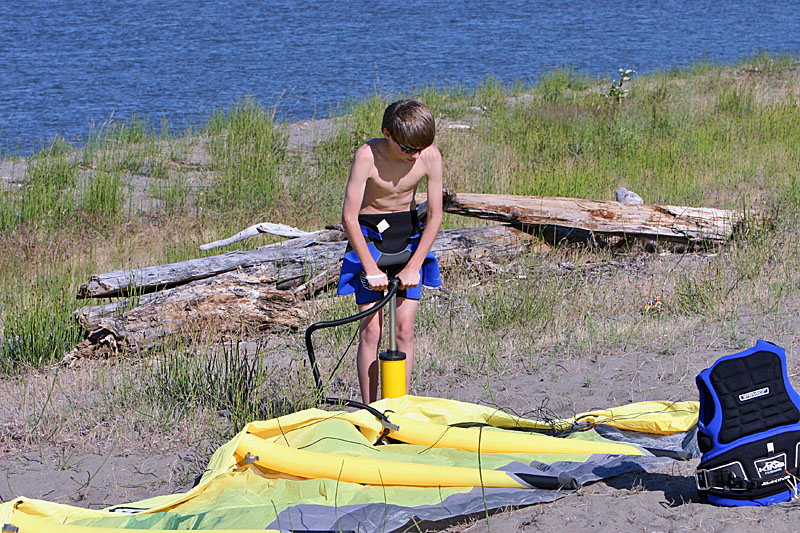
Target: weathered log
573,218
291,263
229,303
248,299
92,317
89,317
598,218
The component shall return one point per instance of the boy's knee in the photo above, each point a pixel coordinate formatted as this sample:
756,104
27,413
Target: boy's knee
405,331
371,332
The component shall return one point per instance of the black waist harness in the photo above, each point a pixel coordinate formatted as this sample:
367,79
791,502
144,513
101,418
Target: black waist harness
748,429
392,235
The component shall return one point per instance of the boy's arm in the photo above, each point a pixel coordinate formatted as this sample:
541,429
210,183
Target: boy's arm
363,162
409,276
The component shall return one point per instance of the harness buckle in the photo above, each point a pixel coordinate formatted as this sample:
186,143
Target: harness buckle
723,478
701,477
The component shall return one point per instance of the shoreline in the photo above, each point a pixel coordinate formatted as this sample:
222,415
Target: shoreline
303,132
557,331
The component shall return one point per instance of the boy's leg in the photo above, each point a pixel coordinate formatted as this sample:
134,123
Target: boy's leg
370,329
406,311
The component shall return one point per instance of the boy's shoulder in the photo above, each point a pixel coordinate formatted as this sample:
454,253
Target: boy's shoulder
432,153
370,149
377,143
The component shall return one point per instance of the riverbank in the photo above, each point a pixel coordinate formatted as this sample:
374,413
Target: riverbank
559,328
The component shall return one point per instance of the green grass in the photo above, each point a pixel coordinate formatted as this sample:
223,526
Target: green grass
561,84
38,328
104,195
589,147
248,147
46,194
182,376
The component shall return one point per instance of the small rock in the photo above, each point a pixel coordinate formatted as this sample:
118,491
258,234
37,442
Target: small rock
628,197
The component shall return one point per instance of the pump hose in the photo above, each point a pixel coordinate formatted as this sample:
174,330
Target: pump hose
394,283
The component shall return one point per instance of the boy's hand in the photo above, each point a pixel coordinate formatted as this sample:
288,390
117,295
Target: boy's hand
377,282
408,278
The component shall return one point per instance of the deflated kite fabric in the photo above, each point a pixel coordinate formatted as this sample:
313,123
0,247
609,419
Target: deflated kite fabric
321,470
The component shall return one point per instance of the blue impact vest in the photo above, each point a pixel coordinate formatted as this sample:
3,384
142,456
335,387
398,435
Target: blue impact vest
748,429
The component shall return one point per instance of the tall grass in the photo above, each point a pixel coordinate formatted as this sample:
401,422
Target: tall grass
248,147
561,83
241,385
36,319
45,196
104,195
659,141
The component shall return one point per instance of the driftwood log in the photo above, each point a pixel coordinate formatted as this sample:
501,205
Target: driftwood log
229,303
570,218
264,227
580,219
284,255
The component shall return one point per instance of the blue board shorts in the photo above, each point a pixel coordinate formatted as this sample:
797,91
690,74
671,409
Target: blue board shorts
392,238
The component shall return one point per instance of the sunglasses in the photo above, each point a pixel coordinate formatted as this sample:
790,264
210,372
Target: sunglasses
408,150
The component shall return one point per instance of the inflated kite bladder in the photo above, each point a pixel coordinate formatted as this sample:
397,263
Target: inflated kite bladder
392,361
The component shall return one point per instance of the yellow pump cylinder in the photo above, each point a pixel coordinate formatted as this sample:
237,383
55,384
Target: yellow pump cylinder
393,374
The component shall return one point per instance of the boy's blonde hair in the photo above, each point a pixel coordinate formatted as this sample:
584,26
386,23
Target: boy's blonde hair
410,122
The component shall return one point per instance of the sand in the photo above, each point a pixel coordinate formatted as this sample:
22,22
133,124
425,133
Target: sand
102,473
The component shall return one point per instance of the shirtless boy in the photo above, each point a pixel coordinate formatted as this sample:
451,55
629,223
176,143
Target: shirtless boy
380,218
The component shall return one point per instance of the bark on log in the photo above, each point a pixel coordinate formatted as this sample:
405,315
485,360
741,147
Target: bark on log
596,217
144,280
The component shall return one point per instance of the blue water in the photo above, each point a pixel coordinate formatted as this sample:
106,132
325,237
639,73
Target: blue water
68,66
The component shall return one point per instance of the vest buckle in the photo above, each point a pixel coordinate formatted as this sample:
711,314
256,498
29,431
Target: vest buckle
701,477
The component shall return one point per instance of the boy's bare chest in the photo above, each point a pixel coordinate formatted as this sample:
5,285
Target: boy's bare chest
391,191
396,179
